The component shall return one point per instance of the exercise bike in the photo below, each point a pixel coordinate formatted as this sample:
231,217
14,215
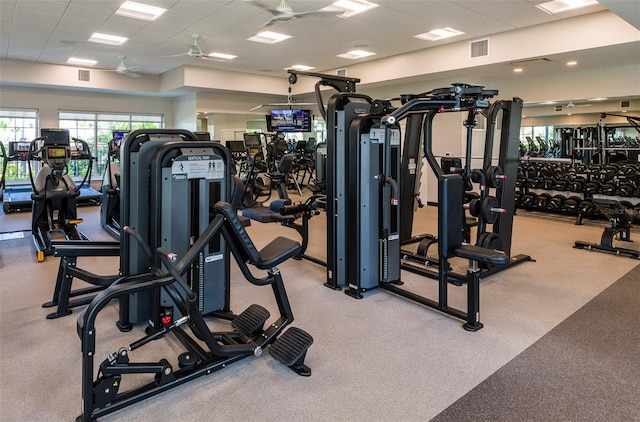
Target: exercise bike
54,196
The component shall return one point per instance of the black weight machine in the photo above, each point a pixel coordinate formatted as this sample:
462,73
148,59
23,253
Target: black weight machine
621,219
177,232
205,351
54,193
182,214
363,179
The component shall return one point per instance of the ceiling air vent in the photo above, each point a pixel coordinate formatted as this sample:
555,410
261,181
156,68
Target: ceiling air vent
624,104
557,108
341,72
479,48
84,75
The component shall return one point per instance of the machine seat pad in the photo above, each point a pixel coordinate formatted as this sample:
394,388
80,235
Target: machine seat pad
278,250
260,214
482,255
271,255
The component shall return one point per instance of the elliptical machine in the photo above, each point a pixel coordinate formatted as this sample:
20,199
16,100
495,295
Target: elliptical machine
54,206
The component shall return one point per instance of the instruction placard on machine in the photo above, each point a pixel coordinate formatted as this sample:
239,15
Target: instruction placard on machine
197,167
377,136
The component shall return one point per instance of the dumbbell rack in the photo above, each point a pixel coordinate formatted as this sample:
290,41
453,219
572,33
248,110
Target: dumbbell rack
563,187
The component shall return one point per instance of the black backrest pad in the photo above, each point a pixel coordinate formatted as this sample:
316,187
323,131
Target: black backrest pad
450,214
241,238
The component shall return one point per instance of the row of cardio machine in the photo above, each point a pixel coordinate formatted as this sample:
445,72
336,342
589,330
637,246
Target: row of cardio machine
179,228
52,196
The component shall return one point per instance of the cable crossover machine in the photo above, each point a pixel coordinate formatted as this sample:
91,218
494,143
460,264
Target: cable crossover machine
371,179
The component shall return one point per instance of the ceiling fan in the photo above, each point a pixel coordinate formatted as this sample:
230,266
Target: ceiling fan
123,69
195,50
284,12
289,104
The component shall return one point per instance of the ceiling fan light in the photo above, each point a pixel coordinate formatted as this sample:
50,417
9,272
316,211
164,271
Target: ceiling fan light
140,11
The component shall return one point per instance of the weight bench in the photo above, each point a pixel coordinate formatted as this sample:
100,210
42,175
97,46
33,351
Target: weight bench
621,219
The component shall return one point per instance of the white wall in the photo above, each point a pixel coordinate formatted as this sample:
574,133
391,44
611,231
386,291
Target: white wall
49,101
185,113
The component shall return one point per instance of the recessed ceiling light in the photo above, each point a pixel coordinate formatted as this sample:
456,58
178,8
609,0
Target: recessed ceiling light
549,103
107,39
518,69
269,37
356,54
141,11
559,6
299,67
350,7
572,63
597,99
222,56
439,34
81,62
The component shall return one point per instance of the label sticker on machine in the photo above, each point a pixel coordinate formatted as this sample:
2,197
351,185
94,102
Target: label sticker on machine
377,136
212,258
197,167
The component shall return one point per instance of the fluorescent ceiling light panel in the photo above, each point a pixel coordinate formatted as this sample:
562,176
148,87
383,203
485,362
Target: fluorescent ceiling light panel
300,67
107,39
559,6
81,62
141,11
222,56
572,63
439,34
350,7
356,54
597,99
269,37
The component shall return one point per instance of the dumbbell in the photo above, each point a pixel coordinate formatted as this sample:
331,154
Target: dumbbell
541,201
556,202
571,204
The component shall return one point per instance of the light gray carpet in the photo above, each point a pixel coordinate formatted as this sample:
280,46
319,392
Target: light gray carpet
381,358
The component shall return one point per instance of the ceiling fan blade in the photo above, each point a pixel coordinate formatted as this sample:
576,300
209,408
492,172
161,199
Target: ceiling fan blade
177,55
315,13
281,105
131,74
134,69
211,59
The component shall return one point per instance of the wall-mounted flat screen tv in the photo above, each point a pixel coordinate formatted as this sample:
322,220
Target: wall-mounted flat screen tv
291,120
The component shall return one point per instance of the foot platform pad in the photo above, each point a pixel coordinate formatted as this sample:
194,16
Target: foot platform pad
251,320
291,348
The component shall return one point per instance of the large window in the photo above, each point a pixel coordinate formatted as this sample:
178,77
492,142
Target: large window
17,125
96,130
538,140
